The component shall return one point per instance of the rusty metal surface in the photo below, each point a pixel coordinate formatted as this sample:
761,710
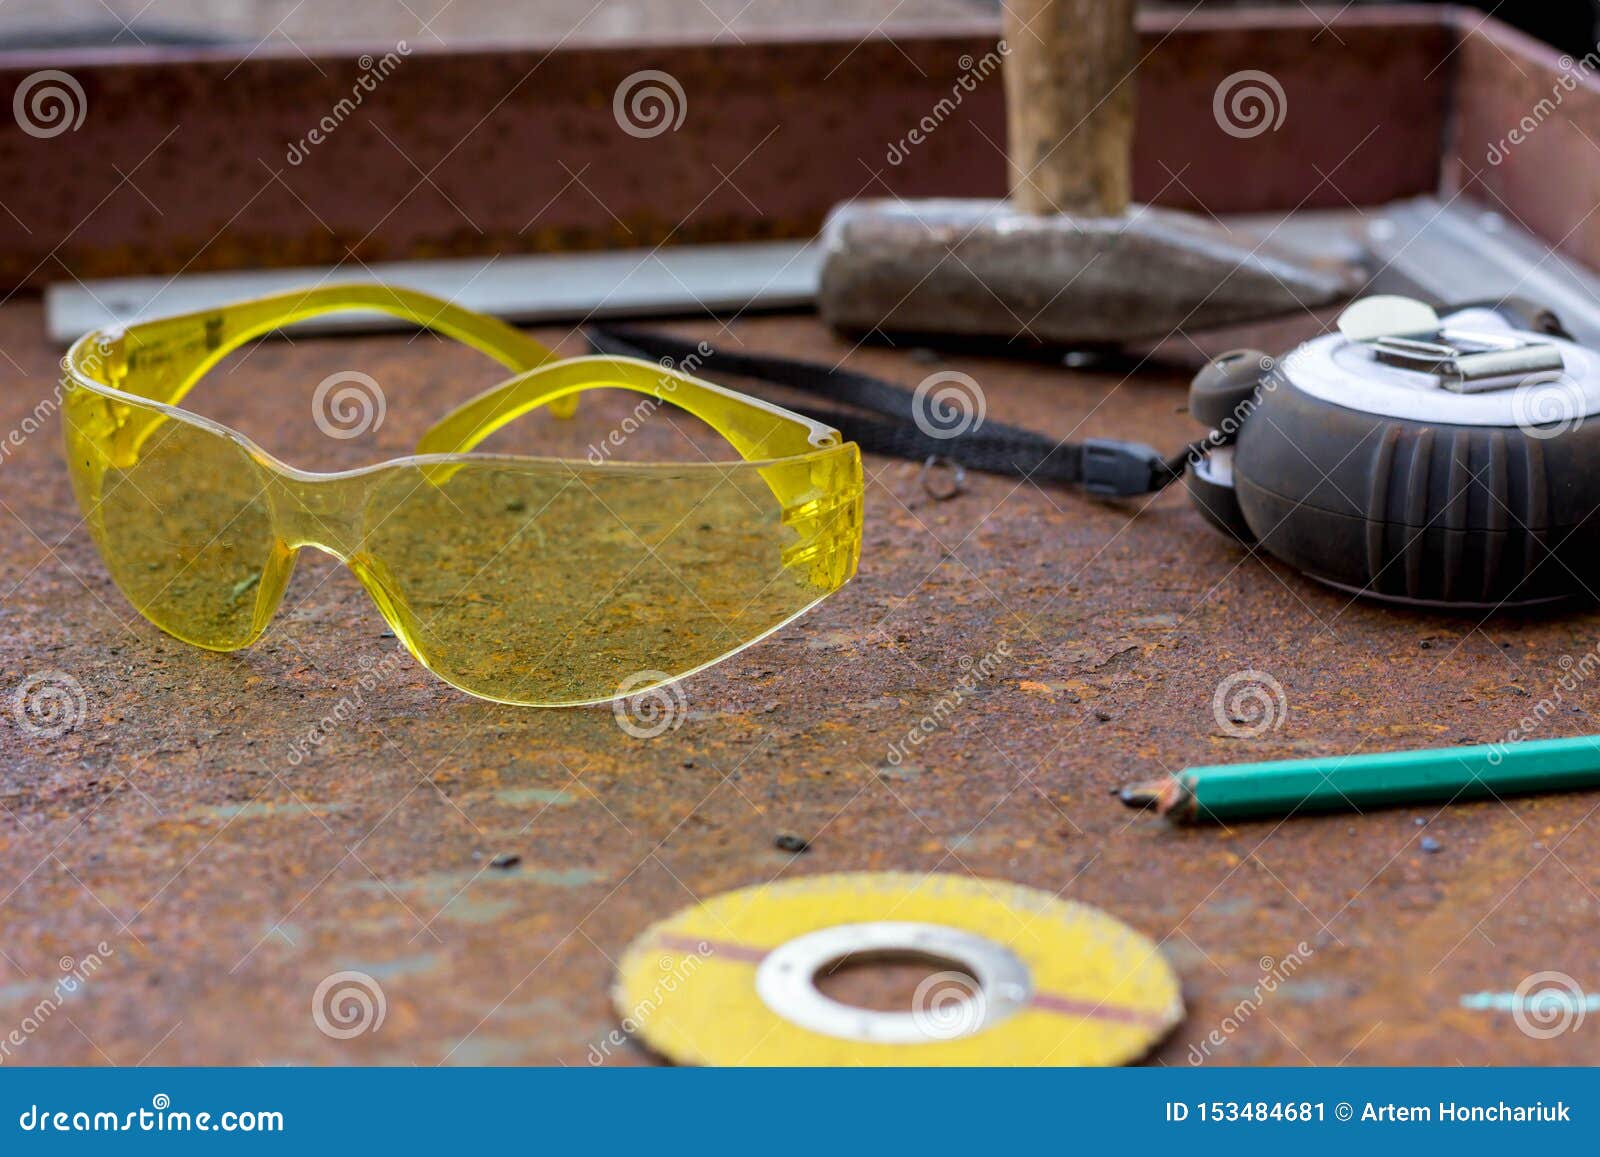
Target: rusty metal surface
183,158
226,880
1523,145
447,22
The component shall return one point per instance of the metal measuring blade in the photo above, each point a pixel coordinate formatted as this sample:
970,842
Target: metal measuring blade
1408,334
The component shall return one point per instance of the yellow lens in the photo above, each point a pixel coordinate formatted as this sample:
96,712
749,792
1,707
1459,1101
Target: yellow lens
180,517
557,583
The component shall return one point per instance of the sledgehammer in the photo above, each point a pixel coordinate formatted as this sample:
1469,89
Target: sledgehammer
1067,259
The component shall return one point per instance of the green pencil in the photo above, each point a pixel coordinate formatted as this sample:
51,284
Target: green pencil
1285,787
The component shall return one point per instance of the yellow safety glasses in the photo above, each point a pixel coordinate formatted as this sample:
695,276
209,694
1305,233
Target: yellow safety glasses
524,580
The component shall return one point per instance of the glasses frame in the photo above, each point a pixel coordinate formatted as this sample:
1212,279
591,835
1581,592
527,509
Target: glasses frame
144,369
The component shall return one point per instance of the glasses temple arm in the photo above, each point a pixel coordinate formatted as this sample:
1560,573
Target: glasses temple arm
163,359
757,429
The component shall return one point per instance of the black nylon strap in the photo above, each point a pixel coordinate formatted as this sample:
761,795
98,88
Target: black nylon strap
1102,466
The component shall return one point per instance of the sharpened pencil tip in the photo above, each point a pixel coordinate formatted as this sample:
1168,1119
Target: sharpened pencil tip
1140,795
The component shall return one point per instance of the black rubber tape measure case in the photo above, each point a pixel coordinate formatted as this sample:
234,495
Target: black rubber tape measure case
1438,461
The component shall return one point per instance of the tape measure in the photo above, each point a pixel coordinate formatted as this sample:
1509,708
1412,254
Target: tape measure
1028,980
1436,461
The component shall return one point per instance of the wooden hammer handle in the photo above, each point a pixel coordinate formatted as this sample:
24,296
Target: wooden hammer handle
1069,104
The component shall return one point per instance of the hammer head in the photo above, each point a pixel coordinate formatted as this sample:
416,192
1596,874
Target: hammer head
985,269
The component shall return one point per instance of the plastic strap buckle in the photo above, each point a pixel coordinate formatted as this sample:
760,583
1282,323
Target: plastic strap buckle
1113,469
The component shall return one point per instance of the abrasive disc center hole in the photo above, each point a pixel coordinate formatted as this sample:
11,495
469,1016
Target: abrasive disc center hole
889,979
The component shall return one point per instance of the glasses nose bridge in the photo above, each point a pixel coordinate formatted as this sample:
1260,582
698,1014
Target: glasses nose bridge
325,512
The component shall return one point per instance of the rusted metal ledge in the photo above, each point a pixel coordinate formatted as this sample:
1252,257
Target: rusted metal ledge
1527,135
185,158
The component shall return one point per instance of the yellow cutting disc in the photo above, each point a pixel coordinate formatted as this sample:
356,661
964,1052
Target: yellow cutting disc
1040,981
